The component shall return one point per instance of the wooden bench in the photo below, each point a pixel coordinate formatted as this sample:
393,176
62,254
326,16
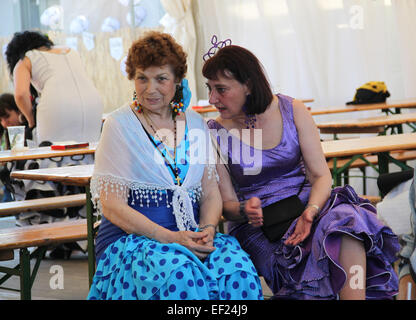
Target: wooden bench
387,107
404,155
40,236
370,160
15,207
377,124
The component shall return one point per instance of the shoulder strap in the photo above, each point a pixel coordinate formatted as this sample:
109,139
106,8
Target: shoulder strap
301,187
235,184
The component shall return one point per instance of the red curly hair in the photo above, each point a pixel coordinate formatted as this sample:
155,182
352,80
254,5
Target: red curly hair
156,49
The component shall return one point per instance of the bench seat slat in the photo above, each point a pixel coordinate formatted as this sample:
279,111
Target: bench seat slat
16,207
373,159
43,234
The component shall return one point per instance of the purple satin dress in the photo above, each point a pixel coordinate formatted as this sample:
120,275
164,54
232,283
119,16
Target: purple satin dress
312,269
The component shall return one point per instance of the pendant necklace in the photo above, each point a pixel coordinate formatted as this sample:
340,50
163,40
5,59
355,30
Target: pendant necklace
175,169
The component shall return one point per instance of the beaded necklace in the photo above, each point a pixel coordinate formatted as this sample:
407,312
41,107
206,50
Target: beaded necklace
175,169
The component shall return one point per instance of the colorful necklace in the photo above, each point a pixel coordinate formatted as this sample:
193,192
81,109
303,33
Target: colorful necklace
175,169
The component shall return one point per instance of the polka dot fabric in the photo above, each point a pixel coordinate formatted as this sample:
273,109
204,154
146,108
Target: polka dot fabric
136,267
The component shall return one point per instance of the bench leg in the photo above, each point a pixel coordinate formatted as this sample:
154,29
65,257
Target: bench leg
23,271
336,174
25,281
383,162
346,176
364,180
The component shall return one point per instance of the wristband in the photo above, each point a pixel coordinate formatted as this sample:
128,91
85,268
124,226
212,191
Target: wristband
314,206
207,226
242,209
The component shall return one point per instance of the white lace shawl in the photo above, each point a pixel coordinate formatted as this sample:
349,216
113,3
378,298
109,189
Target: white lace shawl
126,162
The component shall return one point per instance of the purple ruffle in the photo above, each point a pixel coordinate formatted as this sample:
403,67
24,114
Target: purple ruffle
312,270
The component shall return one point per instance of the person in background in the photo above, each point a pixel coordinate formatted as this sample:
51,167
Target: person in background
398,210
9,112
336,248
68,108
160,206
9,116
407,266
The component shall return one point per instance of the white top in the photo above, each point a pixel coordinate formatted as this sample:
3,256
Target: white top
70,107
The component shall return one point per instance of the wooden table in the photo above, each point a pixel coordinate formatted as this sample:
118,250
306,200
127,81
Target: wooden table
44,152
356,148
79,175
206,109
387,107
367,125
81,178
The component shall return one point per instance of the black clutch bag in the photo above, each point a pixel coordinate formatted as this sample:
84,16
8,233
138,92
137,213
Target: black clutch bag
278,217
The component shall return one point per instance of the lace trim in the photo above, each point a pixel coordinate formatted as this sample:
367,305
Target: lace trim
181,202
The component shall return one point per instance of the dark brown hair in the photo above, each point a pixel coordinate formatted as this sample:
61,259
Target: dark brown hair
23,42
7,104
156,49
246,69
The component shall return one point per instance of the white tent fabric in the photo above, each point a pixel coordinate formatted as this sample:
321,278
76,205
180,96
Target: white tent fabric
321,49
179,22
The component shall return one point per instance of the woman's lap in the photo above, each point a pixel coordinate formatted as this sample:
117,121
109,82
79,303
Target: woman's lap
311,270
140,268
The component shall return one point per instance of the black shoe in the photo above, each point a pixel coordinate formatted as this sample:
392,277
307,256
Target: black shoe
60,252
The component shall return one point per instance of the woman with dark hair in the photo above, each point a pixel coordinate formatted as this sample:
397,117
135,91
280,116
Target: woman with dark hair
334,246
230,65
10,115
160,206
69,106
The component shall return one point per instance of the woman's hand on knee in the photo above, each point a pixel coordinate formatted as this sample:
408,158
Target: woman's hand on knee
301,232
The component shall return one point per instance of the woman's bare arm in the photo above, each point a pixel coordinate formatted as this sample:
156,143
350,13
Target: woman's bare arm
21,79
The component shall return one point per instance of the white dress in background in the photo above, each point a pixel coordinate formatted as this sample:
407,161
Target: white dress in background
69,106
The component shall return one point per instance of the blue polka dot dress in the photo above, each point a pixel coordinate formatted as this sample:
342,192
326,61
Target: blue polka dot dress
136,267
